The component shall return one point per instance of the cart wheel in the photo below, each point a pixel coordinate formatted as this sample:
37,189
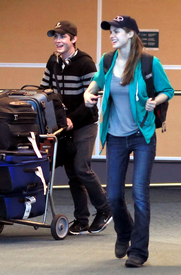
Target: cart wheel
1,227
59,227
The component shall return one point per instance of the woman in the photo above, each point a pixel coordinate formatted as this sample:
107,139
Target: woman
124,105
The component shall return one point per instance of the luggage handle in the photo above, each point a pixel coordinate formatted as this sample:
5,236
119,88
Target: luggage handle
47,91
33,86
30,170
39,172
26,134
19,93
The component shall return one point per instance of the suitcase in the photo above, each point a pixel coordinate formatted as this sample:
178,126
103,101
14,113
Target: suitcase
48,105
17,120
19,170
22,205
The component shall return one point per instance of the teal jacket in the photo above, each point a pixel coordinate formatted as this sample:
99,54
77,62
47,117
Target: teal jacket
138,96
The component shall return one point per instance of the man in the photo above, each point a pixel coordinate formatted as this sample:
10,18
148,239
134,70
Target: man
74,70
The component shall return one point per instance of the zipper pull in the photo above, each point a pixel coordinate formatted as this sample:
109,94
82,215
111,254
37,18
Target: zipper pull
15,117
164,127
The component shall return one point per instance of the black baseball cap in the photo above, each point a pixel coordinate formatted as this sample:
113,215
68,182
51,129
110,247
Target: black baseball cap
63,27
121,21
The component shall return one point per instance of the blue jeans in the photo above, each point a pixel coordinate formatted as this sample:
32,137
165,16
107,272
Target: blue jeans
82,179
118,152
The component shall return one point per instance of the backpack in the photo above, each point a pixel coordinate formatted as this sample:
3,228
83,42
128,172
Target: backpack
160,110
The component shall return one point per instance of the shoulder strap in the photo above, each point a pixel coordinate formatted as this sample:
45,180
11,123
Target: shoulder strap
108,58
56,79
146,67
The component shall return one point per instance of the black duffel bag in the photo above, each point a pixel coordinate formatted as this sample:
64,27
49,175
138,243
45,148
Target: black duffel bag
17,120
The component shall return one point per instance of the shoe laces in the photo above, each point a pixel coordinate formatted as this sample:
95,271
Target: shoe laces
100,214
74,221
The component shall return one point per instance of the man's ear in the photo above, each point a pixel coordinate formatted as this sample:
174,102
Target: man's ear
74,40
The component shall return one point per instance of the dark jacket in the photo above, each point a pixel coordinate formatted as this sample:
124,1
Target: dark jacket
73,81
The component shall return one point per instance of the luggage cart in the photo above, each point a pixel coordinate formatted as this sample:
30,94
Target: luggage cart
59,225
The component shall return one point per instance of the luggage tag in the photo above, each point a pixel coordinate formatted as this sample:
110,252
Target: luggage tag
32,139
28,204
39,173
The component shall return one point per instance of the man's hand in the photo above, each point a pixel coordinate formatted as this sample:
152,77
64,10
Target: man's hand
69,124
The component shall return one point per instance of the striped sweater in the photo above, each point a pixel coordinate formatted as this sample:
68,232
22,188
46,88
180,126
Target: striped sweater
73,81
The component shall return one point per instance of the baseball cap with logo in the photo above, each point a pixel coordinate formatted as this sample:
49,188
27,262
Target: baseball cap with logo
63,27
121,21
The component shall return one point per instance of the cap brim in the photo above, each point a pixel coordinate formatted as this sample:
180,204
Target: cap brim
105,25
52,32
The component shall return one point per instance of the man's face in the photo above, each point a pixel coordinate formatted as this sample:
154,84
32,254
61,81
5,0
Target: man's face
64,44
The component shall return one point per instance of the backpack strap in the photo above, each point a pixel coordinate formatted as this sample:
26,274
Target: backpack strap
146,67
107,61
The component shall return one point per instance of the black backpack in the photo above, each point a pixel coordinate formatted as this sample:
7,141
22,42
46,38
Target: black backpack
146,65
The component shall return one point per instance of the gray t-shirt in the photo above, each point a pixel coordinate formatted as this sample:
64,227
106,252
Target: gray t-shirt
121,122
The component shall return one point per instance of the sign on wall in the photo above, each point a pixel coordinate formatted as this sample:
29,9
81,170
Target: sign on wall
150,39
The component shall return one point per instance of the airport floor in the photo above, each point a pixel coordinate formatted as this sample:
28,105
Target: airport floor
25,250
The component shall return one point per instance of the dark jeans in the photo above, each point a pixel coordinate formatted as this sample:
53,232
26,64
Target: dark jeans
118,152
82,179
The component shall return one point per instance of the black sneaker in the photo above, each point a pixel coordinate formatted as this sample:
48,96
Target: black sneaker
100,222
77,228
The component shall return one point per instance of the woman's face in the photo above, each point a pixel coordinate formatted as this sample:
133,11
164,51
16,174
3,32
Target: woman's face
119,38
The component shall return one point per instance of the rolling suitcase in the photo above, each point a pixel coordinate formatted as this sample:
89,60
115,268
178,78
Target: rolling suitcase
17,120
16,207
23,184
22,205
48,105
22,170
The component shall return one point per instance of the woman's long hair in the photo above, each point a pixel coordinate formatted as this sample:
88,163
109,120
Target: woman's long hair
135,55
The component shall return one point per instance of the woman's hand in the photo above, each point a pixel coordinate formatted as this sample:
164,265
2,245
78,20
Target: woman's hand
90,95
150,105
90,99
